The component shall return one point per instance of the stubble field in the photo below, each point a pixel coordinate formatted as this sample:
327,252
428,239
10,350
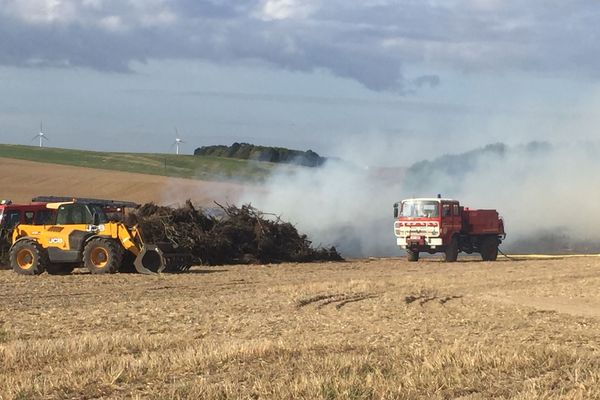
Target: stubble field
365,329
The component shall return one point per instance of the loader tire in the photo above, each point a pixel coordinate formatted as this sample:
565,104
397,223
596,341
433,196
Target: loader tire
127,263
102,256
27,257
412,255
451,252
489,248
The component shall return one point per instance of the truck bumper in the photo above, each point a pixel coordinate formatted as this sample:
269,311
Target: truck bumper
419,242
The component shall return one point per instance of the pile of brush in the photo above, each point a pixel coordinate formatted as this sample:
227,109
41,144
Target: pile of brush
234,235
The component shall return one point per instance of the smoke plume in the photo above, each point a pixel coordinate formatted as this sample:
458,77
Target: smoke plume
546,192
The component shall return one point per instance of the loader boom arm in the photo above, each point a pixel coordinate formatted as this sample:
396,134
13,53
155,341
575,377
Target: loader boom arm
131,239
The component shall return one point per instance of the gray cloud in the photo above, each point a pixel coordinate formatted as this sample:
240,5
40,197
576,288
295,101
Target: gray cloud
369,41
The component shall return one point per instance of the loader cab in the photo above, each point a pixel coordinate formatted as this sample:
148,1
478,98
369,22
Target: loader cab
80,214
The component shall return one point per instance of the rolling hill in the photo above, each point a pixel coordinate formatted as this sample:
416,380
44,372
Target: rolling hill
170,165
160,178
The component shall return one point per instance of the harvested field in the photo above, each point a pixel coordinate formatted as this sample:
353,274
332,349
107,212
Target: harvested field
367,329
28,179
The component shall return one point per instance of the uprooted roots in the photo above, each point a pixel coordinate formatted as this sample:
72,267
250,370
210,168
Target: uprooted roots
238,235
425,296
340,298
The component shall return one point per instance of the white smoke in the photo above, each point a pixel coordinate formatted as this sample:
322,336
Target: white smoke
547,190
538,188
343,203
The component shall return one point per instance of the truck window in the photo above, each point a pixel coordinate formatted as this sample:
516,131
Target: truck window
43,217
420,208
456,211
12,218
28,217
446,210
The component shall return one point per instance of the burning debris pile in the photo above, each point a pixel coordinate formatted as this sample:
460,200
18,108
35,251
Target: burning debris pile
240,235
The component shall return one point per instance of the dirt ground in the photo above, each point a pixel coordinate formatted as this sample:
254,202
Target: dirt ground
363,329
28,179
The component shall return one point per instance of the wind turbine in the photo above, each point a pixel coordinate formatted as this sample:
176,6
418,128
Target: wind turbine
40,136
177,142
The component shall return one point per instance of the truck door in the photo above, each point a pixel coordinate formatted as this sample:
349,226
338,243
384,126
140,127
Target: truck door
457,221
451,221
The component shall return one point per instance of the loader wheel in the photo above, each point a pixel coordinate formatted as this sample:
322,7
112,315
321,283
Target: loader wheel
451,252
28,258
127,263
412,255
102,256
489,249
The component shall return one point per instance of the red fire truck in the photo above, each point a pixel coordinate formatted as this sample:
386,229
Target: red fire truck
435,225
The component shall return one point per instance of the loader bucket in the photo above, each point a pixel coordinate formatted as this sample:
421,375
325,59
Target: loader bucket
150,260
160,257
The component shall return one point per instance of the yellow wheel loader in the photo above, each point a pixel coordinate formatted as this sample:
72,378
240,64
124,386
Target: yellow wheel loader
83,235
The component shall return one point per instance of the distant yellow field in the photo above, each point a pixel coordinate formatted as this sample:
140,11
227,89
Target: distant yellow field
28,179
365,329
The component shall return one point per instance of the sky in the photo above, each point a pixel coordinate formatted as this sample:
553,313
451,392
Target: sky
422,77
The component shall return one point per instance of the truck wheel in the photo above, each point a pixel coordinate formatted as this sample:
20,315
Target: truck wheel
489,248
27,257
451,252
412,255
102,256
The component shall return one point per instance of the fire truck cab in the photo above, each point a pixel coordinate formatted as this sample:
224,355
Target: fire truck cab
442,225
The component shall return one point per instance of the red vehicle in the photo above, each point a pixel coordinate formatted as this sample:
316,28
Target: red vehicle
12,214
435,225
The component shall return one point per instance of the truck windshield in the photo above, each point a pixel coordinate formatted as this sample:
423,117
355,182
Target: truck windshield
420,209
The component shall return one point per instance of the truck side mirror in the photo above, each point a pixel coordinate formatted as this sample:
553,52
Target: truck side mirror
395,210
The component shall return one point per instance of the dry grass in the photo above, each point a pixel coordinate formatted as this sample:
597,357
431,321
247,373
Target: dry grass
379,329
